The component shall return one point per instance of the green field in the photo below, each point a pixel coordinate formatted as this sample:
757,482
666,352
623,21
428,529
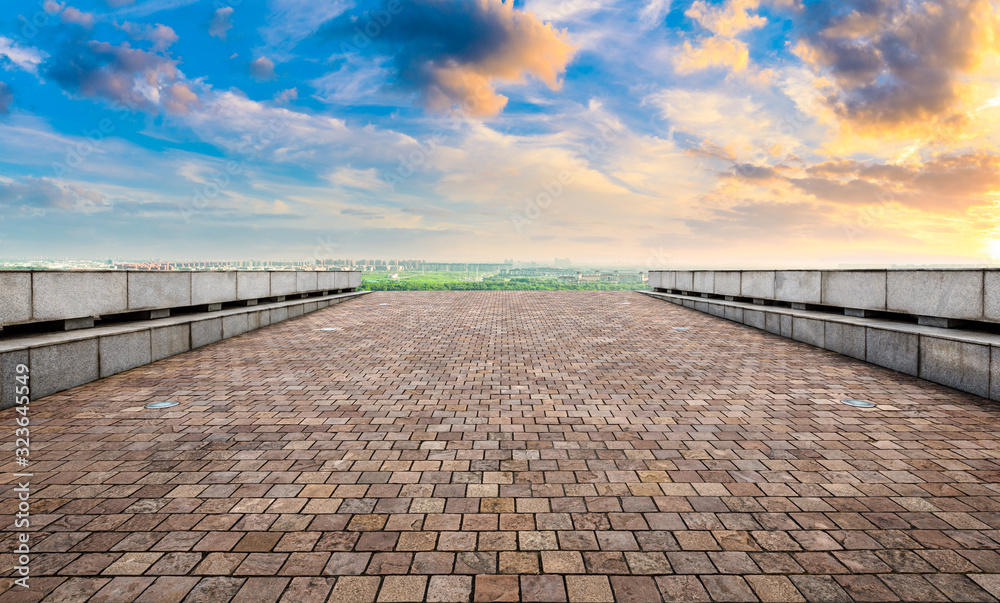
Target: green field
466,281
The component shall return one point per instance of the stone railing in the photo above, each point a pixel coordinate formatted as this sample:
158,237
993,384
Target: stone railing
73,327
936,297
940,325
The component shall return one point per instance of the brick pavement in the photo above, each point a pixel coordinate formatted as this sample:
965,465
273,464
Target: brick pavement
497,446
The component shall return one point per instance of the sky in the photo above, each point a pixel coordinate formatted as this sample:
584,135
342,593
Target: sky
704,133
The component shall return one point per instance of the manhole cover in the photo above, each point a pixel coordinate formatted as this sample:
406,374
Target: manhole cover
858,403
164,404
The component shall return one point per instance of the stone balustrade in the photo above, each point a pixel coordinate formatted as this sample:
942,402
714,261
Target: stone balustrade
939,325
73,327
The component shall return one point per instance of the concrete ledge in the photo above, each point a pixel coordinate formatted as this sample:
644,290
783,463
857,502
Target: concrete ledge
15,297
61,360
956,294
148,290
169,341
213,288
808,330
965,360
845,339
757,283
861,289
119,353
283,283
728,283
63,295
58,367
937,297
77,296
961,365
253,285
802,286
893,349
205,332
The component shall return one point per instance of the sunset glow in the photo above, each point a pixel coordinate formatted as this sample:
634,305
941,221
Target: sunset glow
714,133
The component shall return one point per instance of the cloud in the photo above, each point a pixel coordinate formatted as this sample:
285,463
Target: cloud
752,220
721,49
653,12
367,180
454,52
289,22
712,52
162,36
69,14
568,10
730,122
257,131
898,65
286,95
135,78
951,183
727,20
221,23
362,213
77,17
38,195
946,184
25,58
6,98
262,68
357,81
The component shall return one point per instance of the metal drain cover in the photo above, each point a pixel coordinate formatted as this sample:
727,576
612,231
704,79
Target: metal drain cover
858,403
626,303
680,328
164,404
328,329
383,304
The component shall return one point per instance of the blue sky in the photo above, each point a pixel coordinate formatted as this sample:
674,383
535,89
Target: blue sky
710,133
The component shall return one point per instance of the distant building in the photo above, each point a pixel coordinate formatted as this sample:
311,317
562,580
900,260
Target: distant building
607,277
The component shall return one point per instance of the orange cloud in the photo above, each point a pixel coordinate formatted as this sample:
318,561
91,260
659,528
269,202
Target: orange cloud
721,49
727,20
454,52
712,52
947,184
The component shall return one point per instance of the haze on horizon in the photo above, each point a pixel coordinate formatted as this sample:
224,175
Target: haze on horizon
730,132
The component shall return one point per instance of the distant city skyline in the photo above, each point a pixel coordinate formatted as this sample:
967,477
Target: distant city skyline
657,133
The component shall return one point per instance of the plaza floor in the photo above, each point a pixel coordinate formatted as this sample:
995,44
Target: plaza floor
505,446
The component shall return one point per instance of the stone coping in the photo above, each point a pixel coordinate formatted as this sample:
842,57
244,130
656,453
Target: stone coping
61,360
945,295
67,295
965,360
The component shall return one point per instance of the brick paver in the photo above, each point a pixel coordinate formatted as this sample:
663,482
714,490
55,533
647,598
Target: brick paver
501,446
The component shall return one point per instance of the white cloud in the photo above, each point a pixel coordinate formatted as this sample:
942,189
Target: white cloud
653,13
291,21
349,177
221,22
745,126
356,81
26,58
563,10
